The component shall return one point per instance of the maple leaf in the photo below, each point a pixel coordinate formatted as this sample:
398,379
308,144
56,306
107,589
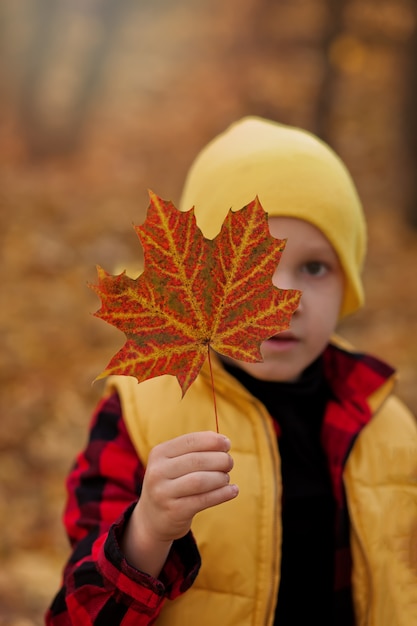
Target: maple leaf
195,294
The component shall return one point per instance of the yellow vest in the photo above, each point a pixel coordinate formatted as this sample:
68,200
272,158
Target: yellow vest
240,541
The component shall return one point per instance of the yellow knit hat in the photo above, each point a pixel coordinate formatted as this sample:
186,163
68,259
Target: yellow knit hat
294,174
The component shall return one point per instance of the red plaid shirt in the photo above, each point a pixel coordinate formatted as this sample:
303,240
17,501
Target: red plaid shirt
100,587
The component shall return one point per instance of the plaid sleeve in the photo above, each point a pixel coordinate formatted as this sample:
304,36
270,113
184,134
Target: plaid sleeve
99,586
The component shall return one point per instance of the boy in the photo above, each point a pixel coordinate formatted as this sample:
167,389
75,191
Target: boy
323,526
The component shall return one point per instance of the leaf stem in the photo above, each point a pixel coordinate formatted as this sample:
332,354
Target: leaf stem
213,390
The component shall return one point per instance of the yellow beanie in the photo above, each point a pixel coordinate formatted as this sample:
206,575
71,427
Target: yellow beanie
294,174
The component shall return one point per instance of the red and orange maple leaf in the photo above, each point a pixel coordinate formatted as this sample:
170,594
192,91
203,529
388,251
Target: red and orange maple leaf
195,294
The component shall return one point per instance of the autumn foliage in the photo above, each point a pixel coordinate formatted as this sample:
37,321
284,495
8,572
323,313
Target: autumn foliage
195,293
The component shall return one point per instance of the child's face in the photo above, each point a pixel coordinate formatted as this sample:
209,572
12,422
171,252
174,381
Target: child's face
309,263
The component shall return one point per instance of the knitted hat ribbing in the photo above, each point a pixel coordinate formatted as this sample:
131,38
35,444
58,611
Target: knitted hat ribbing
294,174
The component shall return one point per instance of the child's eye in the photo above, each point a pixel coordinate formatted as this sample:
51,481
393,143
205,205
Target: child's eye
315,268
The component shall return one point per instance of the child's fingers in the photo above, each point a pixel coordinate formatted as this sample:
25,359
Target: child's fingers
198,483
184,476
198,502
194,442
198,462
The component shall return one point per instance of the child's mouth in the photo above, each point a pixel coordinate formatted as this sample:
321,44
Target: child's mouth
283,341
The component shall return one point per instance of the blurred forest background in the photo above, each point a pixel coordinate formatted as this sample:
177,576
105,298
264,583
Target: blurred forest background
101,100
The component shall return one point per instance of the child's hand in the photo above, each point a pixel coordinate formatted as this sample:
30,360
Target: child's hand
184,476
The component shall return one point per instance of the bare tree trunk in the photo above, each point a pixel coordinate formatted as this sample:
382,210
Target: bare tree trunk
335,27
410,130
42,139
